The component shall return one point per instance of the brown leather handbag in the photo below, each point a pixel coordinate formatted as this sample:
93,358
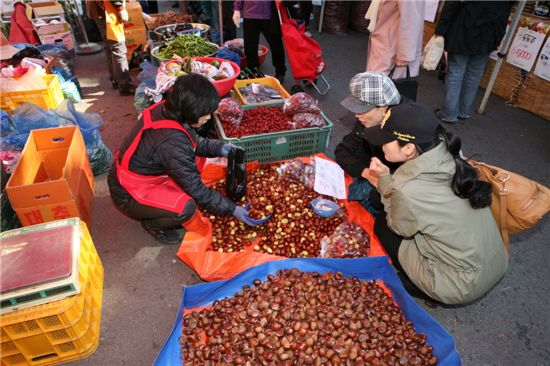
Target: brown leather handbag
518,203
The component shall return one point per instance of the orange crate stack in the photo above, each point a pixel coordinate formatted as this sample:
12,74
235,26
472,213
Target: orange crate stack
59,331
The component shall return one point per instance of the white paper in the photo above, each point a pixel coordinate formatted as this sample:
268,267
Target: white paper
329,179
542,69
527,44
430,10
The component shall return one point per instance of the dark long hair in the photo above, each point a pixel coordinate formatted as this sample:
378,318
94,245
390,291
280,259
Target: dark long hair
466,183
191,97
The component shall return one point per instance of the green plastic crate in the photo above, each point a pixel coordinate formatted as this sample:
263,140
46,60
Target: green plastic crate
277,146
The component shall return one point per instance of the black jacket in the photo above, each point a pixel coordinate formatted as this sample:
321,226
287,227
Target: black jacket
169,151
354,153
473,27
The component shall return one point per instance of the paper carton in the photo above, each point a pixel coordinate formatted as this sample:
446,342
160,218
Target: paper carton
64,38
51,25
53,179
45,9
135,16
135,38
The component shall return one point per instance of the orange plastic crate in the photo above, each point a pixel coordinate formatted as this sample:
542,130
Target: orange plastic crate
48,98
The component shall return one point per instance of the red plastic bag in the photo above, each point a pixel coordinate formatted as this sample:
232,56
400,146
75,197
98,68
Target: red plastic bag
308,120
213,266
230,110
349,240
300,103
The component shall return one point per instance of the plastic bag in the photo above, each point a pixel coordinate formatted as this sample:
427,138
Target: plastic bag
7,126
230,110
9,159
99,155
299,171
349,240
147,74
227,54
432,53
306,120
300,103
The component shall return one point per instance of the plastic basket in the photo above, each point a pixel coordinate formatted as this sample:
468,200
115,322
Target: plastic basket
62,330
271,82
48,98
277,146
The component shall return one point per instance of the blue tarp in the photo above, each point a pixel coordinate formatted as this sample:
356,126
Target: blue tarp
376,268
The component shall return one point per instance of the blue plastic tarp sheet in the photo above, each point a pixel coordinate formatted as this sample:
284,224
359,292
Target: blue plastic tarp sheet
376,268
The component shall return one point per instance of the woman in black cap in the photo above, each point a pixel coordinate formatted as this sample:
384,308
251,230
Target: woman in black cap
438,227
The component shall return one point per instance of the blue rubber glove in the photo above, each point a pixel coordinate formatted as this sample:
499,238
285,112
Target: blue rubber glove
242,215
226,148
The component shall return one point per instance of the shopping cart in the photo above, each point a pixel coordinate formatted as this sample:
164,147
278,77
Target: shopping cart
304,53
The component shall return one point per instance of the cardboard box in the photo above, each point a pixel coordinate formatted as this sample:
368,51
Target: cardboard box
65,38
53,179
135,16
45,9
45,26
135,38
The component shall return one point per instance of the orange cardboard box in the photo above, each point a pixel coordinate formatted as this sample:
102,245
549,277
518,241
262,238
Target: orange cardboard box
135,16
53,179
135,38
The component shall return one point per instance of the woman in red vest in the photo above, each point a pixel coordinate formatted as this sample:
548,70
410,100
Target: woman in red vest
156,175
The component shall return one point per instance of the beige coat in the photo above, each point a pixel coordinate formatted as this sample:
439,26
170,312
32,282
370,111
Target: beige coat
397,35
452,252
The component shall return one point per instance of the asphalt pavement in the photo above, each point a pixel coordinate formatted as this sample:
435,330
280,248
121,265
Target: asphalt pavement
144,279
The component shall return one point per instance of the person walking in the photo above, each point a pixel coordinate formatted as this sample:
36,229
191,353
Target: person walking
395,41
110,17
438,227
261,16
472,30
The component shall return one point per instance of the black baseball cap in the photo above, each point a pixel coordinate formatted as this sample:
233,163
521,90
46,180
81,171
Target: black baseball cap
409,122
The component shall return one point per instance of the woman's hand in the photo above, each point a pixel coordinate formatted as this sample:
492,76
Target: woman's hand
226,148
237,18
378,168
370,176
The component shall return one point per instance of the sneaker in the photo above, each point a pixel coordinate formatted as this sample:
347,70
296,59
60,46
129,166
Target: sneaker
165,236
442,118
114,84
464,117
280,77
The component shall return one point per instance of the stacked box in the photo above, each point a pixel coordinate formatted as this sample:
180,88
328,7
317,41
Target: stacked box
134,30
62,330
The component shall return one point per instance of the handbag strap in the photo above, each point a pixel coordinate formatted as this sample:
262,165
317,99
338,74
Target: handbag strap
393,70
503,208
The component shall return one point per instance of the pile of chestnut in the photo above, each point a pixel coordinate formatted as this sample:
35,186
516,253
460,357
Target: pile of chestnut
304,318
294,230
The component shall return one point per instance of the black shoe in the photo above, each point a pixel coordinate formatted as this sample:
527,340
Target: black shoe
280,77
129,90
114,84
165,236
